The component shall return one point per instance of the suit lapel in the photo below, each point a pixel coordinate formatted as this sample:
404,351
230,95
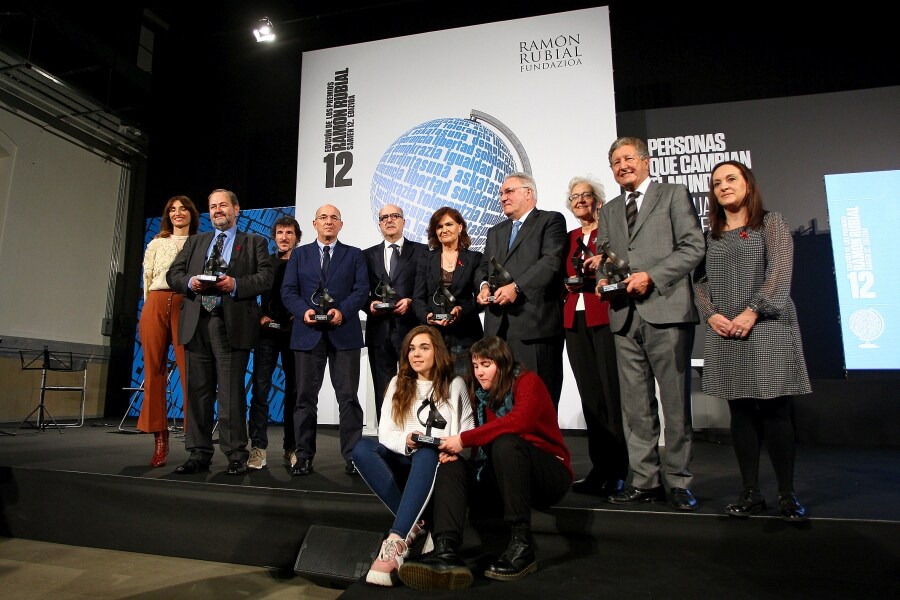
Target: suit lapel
647,206
524,229
405,254
380,270
201,249
237,248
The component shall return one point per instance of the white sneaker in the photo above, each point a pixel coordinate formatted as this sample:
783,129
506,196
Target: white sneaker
257,459
387,564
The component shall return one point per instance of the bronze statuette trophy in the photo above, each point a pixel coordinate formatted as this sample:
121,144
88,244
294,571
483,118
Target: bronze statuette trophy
497,278
443,298
578,256
323,302
386,294
615,270
434,420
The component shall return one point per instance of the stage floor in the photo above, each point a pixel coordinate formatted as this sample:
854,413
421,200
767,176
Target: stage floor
92,487
834,482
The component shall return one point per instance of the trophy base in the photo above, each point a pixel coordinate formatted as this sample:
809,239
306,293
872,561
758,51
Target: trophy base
441,317
613,288
321,318
573,280
207,278
385,306
491,298
426,440
274,325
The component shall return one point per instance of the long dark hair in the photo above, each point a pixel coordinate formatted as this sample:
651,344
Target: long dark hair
753,201
406,391
496,350
165,225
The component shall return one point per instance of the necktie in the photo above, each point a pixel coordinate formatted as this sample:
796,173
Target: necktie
326,259
515,231
395,258
215,259
631,210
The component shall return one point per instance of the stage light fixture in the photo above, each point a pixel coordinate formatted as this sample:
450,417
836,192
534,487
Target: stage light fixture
265,31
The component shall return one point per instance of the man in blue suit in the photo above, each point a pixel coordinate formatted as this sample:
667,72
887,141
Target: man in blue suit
316,271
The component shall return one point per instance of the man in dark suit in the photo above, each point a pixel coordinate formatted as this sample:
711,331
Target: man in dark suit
326,268
393,261
219,326
527,312
653,320
274,341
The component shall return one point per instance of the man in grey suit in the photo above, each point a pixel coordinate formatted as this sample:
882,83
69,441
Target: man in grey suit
655,228
219,326
526,312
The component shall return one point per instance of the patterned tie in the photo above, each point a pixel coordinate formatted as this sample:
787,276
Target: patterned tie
395,259
631,210
215,259
515,232
326,260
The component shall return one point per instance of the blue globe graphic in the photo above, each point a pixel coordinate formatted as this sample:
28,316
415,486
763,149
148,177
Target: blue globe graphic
444,162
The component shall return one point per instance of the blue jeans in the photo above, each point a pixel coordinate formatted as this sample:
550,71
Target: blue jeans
403,483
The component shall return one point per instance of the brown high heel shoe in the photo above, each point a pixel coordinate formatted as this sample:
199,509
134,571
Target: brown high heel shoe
161,448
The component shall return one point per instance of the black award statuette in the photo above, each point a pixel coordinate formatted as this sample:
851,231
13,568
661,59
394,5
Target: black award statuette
497,278
443,298
386,294
213,268
581,252
434,420
615,270
323,303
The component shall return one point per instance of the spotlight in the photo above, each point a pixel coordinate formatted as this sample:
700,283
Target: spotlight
265,31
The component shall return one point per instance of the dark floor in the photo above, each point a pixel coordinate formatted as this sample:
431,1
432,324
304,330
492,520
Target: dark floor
92,487
833,481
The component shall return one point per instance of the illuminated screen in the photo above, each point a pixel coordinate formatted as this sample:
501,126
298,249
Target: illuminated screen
864,215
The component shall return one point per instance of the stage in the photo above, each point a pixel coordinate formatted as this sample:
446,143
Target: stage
92,486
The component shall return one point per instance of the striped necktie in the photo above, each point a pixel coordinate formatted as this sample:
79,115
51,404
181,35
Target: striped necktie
631,210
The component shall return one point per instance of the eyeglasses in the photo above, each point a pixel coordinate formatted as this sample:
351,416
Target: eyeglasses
392,216
509,191
582,195
323,218
628,160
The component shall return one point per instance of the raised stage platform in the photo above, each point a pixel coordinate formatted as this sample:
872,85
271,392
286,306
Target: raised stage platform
92,486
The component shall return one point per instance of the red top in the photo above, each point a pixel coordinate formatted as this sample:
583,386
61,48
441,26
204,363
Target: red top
533,418
595,311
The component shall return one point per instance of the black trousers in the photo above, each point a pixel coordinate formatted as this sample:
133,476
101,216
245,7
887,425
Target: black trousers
215,374
592,355
343,365
517,478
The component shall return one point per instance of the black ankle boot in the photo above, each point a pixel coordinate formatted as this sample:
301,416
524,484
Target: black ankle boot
518,560
440,569
749,502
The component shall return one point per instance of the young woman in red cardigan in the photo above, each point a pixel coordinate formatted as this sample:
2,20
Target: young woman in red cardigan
519,461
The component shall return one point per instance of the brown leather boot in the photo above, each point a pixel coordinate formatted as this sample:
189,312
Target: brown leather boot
161,448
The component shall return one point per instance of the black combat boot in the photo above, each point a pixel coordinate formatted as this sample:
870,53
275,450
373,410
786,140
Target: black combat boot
441,569
518,560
